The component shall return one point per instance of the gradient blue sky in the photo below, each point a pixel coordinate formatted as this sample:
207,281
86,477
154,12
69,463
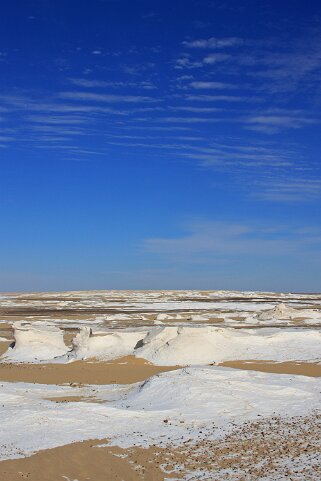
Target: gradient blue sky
160,144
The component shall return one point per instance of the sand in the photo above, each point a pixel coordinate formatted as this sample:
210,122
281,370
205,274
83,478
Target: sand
124,370
4,347
80,461
300,368
250,452
73,399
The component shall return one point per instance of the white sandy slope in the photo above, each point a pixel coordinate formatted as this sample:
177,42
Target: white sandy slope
166,345
194,402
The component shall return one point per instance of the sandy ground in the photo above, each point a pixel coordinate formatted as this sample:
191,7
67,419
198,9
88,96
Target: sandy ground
81,461
249,453
300,368
4,347
128,370
124,370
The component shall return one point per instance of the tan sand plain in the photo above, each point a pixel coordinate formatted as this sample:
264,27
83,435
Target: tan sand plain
82,462
125,370
128,370
290,367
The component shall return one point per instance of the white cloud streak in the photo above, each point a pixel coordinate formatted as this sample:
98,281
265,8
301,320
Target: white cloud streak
214,43
108,98
207,85
206,239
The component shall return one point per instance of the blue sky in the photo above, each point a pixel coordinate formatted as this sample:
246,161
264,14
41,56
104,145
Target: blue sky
160,144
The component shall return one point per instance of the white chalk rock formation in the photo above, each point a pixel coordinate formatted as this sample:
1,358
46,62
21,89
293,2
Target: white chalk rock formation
204,345
104,346
284,312
170,345
35,342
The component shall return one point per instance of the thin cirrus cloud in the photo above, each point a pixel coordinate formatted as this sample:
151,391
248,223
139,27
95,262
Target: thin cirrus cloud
231,158
225,101
214,42
186,60
73,107
92,83
59,119
222,98
27,104
206,240
289,190
286,71
276,123
83,82
189,120
207,85
108,98
191,108
273,66
215,58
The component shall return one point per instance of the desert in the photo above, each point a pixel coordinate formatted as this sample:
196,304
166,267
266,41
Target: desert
157,385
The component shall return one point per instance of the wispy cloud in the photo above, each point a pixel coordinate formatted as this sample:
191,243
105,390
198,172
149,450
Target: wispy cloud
214,42
211,240
59,119
83,82
237,93
191,108
186,62
299,67
4,138
271,124
221,98
108,98
235,155
215,58
290,190
55,105
92,83
188,120
206,85
272,65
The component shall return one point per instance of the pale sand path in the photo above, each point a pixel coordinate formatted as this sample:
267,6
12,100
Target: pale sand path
290,367
125,370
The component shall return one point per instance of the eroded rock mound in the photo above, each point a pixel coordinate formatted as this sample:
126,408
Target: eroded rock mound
35,342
